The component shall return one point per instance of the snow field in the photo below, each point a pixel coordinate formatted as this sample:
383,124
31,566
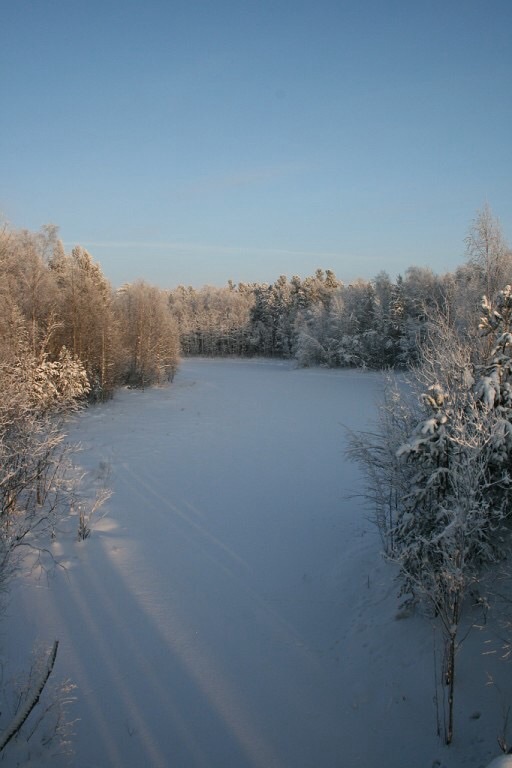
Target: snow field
232,609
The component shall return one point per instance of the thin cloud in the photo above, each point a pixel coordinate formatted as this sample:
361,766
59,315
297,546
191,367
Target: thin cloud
199,248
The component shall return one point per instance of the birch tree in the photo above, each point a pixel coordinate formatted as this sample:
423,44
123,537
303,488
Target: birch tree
149,334
87,324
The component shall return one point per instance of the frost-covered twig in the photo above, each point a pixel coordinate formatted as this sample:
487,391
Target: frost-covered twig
14,728
88,512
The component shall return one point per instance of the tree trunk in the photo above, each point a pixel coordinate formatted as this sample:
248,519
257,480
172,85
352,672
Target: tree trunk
450,680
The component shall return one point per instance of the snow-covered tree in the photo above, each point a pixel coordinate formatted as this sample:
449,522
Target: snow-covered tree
149,334
438,471
87,324
37,394
213,321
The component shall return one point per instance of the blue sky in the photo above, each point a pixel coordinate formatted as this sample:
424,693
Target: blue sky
193,142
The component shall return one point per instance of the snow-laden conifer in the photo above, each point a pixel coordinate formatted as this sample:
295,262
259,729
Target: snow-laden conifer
442,469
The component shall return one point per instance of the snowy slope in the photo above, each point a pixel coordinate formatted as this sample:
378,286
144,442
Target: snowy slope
232,609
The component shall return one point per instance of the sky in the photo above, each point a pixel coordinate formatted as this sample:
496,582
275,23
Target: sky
192,142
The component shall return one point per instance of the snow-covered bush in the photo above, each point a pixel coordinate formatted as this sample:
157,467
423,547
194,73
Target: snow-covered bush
88,512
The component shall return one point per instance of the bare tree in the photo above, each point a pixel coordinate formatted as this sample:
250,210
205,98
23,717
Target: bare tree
488,253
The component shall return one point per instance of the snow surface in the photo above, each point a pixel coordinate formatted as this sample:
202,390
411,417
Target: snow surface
232,609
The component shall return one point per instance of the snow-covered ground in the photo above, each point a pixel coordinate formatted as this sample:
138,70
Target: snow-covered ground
232,609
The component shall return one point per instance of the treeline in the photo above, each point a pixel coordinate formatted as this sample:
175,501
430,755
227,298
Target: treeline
58,305
319,320
54,301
